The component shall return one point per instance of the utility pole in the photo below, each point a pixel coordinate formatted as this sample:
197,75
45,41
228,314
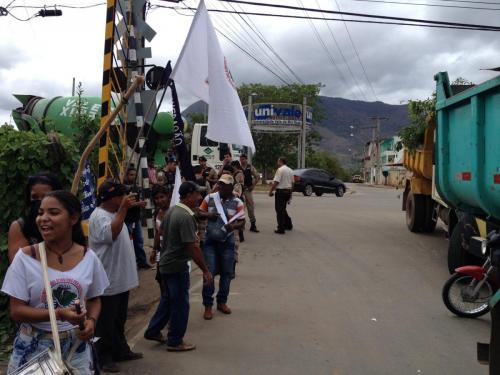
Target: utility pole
303,134
249,120
376,139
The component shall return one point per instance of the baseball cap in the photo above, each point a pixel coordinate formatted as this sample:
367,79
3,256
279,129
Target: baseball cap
226,179
110,189
189,187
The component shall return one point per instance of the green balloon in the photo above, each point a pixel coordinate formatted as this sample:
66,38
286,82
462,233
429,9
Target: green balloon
164,123
164,144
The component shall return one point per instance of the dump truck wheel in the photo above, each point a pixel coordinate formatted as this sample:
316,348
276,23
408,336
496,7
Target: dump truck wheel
415,212
430,221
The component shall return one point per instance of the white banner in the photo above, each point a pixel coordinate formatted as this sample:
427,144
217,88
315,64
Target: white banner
203,70
175,192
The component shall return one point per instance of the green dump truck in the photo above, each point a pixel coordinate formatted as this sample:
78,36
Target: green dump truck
456,174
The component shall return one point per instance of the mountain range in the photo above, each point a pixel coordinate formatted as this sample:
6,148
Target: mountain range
346,125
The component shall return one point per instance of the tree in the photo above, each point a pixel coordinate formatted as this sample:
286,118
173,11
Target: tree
23,154
328,162
420,112
197,118
87,128
462,82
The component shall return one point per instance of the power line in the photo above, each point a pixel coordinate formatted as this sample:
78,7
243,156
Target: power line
276,15
255,29
432,22
405,21
9,4
325,48
58,6
259,46
357,53
471,2
242,49
427,5
342,54
20,19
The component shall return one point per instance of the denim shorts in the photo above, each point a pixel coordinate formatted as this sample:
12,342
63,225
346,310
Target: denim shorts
27,346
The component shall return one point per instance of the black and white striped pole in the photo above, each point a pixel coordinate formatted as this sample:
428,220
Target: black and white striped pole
139,123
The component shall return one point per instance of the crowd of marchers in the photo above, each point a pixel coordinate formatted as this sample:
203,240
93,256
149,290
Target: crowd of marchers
91,277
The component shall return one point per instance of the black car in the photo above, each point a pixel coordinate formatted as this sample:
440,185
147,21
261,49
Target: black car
319,181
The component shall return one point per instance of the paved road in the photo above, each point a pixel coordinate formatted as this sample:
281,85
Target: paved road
348,292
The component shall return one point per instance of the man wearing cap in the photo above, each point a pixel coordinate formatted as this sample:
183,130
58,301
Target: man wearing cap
180,246
109,238
228,216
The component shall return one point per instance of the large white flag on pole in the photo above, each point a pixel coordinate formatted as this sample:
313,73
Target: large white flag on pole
203,70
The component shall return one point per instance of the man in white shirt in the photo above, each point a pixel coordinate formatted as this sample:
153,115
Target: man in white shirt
283,185
110,240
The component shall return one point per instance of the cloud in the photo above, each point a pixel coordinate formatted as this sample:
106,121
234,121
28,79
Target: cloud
42,56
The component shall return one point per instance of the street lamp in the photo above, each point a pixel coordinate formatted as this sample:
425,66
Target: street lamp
249,120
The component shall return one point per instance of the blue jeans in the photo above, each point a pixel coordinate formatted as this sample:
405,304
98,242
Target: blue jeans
173,308
161,316
28,346
135,230
219,257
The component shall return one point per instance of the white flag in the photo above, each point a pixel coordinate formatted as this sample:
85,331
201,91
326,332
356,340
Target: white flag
177,184
203,70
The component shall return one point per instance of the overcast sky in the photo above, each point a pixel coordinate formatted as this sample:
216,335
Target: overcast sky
41,56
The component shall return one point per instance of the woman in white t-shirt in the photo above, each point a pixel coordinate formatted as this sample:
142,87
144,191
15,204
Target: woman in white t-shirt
76,274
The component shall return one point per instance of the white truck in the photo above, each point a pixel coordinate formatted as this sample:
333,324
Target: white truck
213,151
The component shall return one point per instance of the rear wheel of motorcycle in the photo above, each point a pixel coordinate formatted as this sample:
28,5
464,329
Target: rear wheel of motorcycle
453,293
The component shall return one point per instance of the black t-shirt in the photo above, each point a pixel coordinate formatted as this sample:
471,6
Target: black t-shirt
170,177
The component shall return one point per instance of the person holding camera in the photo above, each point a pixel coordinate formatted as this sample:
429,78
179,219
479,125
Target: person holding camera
109,238
133,221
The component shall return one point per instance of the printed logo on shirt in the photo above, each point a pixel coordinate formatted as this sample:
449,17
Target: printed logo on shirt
64,292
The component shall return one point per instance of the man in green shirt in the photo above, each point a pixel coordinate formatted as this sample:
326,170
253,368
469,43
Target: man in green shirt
181,244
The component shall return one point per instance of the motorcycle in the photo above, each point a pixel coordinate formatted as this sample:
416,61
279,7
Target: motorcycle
468,291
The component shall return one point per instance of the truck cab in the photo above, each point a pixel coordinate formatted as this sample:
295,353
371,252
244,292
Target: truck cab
212,150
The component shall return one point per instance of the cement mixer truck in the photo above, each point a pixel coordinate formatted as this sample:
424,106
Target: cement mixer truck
57,114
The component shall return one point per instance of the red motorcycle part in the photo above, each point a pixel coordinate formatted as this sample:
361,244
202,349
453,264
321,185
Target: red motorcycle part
477,272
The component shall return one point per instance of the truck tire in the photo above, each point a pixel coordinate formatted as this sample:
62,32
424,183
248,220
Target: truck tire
430,221
415,212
